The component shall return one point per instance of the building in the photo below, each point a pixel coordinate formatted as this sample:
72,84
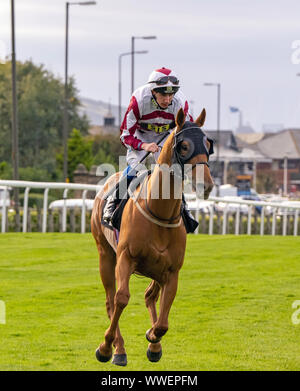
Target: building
232,158
108,126
101,115
273,156
283,148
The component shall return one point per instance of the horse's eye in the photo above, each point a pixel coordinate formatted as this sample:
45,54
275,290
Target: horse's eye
184,148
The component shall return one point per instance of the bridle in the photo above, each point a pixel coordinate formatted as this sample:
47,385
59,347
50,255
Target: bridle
201,148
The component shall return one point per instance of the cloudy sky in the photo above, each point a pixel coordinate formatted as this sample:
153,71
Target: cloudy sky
246,45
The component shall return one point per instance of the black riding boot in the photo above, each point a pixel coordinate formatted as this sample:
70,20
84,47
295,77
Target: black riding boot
111,205
190,223
114,200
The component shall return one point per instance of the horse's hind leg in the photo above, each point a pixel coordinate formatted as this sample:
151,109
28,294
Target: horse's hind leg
151,297
107,273
154,351
124,269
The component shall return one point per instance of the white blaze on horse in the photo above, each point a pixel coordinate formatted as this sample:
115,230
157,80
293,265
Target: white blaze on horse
152,239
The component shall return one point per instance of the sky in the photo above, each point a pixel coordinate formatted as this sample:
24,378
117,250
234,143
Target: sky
252,48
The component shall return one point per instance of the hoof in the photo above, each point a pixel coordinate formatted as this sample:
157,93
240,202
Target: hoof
102,358
154,356
150,340
120,359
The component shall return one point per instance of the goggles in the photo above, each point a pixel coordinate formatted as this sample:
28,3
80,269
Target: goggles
164,80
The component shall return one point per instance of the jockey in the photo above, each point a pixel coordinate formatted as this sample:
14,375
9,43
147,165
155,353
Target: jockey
151,112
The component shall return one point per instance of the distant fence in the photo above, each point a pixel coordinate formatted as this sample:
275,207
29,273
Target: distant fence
248,217
218,216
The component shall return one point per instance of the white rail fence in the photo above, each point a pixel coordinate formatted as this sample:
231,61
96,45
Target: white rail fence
211,212
46,186
277,211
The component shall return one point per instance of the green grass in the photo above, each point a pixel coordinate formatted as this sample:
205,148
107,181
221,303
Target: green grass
232,310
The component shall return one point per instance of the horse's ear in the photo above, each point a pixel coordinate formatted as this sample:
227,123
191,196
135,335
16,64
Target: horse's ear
180,119
201,119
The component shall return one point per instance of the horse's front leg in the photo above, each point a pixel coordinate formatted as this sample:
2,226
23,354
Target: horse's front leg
124,269
107,264
168,294
154,351
120,357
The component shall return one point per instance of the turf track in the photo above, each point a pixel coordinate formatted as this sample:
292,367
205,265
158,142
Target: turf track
232,311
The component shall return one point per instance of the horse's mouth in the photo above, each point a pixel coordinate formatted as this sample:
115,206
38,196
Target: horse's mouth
201,192
206,194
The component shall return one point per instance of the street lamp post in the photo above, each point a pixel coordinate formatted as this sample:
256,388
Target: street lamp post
132,57
15,132
66,95
120,78
218,85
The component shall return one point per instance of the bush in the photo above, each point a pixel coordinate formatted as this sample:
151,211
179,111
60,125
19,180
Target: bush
36,200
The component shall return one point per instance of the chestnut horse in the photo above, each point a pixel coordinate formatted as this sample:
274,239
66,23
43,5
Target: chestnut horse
152,242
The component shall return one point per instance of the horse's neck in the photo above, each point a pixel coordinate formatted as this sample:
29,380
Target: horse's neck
164,193
165,157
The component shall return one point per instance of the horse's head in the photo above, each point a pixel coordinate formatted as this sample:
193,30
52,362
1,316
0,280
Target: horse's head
191,146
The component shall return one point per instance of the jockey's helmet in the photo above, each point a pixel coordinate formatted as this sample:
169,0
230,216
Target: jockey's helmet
164,80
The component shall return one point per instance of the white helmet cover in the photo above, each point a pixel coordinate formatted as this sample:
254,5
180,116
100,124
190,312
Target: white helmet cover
169,86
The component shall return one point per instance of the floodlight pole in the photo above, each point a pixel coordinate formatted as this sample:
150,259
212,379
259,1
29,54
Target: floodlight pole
132,56
120,79
218,85
15,131
66,92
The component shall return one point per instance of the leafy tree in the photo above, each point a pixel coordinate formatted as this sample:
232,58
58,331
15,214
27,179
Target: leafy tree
5,113
5,170
107,149
79,151
40,98
101,157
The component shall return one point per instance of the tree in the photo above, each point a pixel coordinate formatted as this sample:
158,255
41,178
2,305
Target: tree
40,98
5,170
107,149
79,151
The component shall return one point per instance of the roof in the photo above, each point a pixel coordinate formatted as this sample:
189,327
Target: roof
249,138
227,138
96,130
282,144
244,155
245,129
